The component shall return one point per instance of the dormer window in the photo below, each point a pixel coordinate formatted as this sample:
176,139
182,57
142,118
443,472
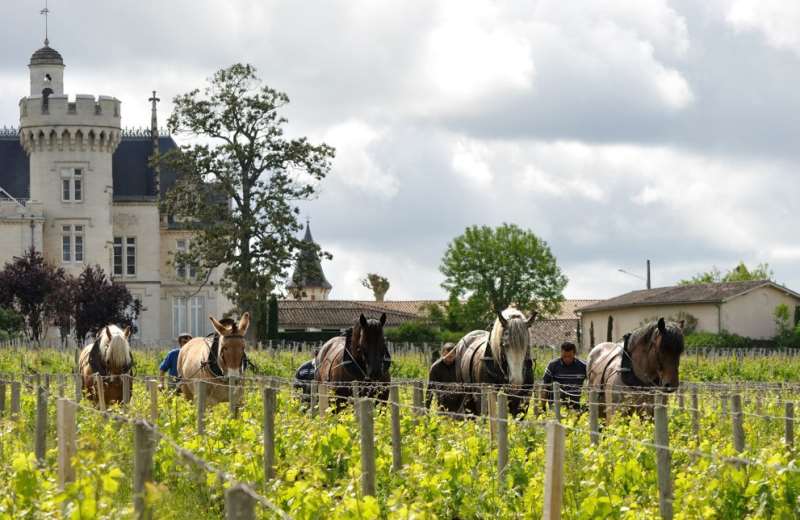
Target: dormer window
72,185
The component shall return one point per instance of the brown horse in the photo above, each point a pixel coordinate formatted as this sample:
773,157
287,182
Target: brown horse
627,373
499,357
109,356
214,359
360,355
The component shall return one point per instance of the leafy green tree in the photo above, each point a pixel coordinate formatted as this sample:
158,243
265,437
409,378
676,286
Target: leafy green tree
378,284
11,323
238,187
740,273
503,266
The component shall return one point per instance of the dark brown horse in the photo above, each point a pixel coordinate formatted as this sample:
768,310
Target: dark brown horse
627,373
109,356
499,357
359,355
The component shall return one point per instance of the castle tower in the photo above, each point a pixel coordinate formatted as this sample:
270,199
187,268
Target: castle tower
308,281
70,146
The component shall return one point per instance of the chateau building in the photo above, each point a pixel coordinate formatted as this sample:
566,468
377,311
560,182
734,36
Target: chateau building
77,187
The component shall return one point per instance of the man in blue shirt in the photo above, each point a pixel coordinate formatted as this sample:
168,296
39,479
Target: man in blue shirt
570,373
170,363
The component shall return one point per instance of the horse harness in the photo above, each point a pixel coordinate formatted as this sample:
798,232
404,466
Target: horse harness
629,377
497,370
351,364
99,367
211,364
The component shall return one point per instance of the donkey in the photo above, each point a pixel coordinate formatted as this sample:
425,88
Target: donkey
214,358
499,357
627,373
360,355
109,355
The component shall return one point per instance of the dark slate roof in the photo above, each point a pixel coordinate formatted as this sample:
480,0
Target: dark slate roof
133,178
308,271
333,314
683,294
14,167
47,56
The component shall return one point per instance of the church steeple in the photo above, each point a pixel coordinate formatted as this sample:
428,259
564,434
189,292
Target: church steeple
308,280
154,136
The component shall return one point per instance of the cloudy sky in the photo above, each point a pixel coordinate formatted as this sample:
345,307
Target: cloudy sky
617,131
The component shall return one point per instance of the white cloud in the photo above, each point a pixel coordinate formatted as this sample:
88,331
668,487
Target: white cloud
470,160
776,20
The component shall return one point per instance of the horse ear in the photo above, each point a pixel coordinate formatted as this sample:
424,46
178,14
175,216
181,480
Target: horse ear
362,321
502,319
108,333
383,319
662,325
244,322
532,318
219,327
127,332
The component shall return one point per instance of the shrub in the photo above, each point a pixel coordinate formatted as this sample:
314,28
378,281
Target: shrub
413,332
711,340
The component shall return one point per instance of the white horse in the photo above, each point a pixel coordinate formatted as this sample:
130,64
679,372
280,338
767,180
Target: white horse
108,355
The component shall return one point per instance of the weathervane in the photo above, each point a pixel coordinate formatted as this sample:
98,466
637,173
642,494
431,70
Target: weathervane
45,12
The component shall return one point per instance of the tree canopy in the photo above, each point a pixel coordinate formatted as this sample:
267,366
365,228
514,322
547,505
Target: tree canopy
503,266
239,184
740,273
376,283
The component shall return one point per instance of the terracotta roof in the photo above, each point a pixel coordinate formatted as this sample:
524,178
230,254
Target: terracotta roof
333,314
407,306
683,294
552,333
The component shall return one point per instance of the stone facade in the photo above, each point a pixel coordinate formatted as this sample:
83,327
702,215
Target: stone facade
74,207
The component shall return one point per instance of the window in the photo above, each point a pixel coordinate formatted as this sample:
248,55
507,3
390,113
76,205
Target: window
188,315
72,185
72,243
181,269
124,259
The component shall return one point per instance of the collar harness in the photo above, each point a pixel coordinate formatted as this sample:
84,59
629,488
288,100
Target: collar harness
97,364
629,377
351,364
498,369
212,363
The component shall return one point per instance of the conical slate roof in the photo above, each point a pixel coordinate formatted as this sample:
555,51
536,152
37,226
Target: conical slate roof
47,56
308,271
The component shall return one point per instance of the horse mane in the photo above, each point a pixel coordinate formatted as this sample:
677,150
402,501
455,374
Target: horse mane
517,331
671,338
116,352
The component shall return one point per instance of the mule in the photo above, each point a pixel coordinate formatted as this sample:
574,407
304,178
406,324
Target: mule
501,356
359,355
628,373
109,355
213,359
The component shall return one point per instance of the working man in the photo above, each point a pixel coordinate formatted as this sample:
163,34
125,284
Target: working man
170,364
570,373
440,376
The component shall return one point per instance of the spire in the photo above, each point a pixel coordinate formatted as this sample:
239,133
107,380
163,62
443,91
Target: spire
308,272
308,237
154,135
44,12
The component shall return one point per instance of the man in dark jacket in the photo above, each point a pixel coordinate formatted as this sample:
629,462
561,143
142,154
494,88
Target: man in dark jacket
441,374
570,373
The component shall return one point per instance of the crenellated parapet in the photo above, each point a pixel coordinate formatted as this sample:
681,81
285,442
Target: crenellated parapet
55,123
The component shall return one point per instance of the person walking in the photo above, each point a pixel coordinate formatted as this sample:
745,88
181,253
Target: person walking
570,373
169,367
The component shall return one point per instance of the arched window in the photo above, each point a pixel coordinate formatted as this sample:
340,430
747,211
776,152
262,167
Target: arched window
46,99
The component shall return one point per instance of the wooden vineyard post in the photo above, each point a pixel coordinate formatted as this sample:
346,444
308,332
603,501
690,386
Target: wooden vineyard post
492,398
554,471
663,458
201,389
367,447
152,389
502,434
557,401
695,412
15,387
41,424
143,446
312,406
789,426
100,390
67,446
356,394
681,403
724,403
594,414
397,449
419,406
484,401
268,398
61,385
126,389
233,405
738,427
2,398
78,387
239,504
323,399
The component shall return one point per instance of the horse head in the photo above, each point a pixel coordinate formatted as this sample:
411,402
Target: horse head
510,341
369,345
230,355
662,346
115,349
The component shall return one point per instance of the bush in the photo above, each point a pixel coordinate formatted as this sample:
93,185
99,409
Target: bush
11,324
711,340
413,332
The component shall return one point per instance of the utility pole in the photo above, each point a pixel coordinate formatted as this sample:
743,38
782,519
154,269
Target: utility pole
648,274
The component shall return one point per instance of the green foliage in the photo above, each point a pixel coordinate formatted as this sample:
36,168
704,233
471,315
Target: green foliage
740,273
239,186
504,266
417,331
272,318
378,284
711,340
11,323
